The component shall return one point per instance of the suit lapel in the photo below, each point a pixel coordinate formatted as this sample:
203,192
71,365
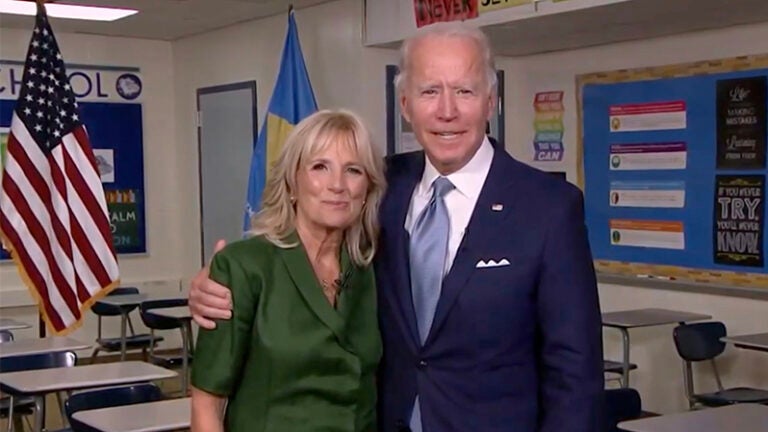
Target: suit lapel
299,268
486,217
400,193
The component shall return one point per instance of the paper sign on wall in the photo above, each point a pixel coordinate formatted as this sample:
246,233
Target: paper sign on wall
739,221
548,126
647,233
647,116
741,123
432,11
492,5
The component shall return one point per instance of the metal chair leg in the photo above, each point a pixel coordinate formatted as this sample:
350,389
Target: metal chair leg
10,413
39,413
95,354
184,360
191,340
62,410
123,336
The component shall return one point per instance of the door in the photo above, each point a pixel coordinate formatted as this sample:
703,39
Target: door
227,125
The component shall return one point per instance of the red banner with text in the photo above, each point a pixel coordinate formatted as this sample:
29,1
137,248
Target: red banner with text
432,11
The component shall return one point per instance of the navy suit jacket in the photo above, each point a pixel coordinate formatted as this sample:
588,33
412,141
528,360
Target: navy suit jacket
511,348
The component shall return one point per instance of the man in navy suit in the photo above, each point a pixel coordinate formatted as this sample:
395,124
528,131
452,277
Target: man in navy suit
511,340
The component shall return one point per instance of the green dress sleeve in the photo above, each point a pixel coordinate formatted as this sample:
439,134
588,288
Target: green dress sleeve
221,352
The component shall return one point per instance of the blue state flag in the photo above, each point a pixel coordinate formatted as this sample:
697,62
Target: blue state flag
292,100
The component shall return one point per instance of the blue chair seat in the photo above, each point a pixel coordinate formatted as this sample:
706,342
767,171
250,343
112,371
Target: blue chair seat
131,342
24,405
158,322
621,404
702,342
615,366
109,397
732,396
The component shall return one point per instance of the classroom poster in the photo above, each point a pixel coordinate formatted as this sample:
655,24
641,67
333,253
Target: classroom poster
739,220
492,5
741,123
647,233
648,156
431,11
548,126
647,116
647,194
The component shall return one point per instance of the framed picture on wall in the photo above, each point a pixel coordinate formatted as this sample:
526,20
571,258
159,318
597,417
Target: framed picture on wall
400,137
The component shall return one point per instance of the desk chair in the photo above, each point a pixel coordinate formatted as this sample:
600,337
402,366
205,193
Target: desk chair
621,404
6,336
157,322
107,398
700,342
11,406
132,341
617,368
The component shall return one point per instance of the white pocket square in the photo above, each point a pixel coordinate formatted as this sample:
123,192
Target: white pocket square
492,263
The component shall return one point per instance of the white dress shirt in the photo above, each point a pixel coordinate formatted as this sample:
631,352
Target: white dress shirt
460,202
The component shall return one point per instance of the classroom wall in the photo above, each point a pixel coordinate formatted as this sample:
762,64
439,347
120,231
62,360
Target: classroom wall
659,377
342,73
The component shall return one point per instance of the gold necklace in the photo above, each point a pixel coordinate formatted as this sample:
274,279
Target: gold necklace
330,291
329,286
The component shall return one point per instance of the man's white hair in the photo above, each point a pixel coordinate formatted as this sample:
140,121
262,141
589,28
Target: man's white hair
447,29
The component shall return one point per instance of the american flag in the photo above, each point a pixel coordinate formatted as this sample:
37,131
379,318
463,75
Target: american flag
53,213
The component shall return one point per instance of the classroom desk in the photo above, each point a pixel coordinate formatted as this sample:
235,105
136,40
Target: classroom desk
11,324
165,415
39,346
40,382
125,302
627,319
184,316
739,417
757,342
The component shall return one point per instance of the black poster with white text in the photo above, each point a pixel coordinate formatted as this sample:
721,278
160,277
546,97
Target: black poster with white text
738,223
741,123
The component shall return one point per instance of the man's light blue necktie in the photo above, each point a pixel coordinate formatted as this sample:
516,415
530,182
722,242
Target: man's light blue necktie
428,251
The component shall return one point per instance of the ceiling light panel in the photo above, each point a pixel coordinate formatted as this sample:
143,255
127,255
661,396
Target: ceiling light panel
66,11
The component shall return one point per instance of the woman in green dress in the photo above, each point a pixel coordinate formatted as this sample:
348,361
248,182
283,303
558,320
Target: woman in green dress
301,350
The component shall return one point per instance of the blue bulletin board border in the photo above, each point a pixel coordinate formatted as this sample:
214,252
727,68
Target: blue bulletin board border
693,83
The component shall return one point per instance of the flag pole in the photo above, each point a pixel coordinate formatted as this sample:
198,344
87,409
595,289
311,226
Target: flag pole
290,8
41,333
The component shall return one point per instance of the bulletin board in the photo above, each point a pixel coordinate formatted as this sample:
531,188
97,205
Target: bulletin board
116,137
673,168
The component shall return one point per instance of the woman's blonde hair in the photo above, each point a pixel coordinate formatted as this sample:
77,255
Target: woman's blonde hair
277,217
